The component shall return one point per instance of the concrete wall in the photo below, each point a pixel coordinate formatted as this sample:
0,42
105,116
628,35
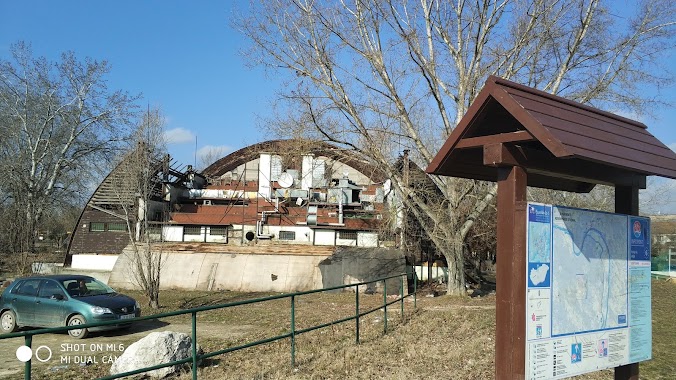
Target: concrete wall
57,268
216,238
173,233
195,237
303,234
95,262
330,237
325,237
367,239
236,272
346,242
350,265
265,273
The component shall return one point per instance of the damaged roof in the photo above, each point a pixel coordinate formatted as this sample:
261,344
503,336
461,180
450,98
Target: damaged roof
299,147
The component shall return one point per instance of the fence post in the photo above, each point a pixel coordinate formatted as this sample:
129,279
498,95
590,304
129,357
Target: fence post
402,299
28,339
194,345
356,302
293,332
415,292
385,306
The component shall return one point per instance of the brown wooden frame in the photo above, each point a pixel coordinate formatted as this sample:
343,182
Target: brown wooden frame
518,137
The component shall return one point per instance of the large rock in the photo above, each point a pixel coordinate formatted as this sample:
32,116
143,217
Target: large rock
156,348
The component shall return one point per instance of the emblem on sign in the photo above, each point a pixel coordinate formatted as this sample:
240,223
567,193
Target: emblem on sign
637,229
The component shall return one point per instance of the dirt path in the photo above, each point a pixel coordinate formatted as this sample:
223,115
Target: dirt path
101,347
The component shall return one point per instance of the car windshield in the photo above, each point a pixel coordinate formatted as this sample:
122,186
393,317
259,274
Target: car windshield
87,286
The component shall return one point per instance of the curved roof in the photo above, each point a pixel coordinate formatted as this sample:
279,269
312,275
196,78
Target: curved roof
561,143
113,191
249,153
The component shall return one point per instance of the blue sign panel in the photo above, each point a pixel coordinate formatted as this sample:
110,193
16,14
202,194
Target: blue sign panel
638,237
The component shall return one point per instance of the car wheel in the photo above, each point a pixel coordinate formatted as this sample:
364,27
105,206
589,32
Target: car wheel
77,333
8,322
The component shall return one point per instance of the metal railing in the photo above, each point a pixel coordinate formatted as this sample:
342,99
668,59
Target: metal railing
195,357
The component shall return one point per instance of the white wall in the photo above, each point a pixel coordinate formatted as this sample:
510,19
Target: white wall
306,172
95,262
367,239
346,242
303,234
438,273
325,237
172,233
195,238
216,238
265,175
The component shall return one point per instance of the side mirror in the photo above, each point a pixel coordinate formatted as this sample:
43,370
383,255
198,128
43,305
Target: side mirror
58,297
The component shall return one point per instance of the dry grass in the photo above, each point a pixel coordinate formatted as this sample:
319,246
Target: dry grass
447,337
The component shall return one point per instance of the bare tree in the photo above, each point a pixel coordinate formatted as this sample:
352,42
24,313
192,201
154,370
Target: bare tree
208,155
138,186
380,76
57,121
658,197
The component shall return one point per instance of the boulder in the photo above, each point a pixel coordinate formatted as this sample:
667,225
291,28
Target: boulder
156,348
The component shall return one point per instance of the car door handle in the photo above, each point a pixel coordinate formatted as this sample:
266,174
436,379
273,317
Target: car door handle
37,301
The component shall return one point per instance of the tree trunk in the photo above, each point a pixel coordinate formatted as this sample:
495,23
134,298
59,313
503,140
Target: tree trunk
456,267
154,299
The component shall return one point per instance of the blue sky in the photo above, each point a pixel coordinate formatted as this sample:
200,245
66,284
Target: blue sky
181,56
184,57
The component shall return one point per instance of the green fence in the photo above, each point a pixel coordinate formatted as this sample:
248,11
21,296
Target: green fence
195,358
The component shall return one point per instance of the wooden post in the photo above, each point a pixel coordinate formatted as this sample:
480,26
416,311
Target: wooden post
626,202
510,334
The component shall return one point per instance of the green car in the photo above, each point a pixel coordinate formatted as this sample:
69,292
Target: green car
64,300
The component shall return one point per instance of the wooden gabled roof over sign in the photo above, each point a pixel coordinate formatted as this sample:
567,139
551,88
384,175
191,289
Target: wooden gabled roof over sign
562,144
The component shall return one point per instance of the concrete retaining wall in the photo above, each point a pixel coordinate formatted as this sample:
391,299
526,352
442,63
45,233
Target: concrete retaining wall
95,262
236,272
57,268
268,272
352,265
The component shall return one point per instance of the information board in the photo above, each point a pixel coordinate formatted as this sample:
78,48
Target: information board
588,295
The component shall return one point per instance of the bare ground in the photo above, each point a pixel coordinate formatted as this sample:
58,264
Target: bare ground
444,338
101,347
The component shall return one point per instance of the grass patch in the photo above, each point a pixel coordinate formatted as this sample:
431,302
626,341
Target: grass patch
446,337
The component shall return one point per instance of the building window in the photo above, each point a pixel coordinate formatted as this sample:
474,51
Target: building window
287,235
117,227
97,226
347,235
192,230
218,231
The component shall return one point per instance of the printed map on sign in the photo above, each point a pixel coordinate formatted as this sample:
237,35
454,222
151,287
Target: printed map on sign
540,244
589,271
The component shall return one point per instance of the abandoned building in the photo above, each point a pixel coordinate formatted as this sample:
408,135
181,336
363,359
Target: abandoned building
277,199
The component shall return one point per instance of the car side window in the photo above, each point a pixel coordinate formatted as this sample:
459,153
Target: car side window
28,288
49,288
